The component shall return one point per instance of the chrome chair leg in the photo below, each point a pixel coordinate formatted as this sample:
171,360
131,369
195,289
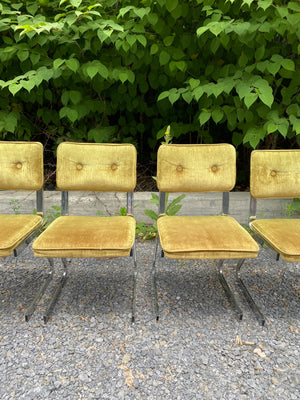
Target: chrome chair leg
30,310
228,291
57,290
133,306
154,276
260,317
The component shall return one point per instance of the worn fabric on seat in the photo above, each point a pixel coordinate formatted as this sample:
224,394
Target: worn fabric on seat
283,235
78,236
14,229
205,237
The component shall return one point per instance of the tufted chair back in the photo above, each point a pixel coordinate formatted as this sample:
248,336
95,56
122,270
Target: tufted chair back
275,173
21,166
196,168
96,167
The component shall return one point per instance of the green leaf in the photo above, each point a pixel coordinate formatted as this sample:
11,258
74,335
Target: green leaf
73,64
92,70
187,97
57,63
250,99
123,77
198,92
11,121
296,123
151,214
75,3
288,64
173,96
28,85
168,40
14,88
163,95
204,116
164,57
266,96
23,55
217,115
75,96
171,5
254,135
154,49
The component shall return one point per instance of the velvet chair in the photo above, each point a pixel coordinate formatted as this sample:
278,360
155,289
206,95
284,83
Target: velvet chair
276,174
199,169
91,167
21,168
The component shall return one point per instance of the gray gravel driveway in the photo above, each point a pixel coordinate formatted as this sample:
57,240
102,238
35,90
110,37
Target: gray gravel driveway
198,350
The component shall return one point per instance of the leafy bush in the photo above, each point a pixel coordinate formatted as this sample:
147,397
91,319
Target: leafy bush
120,70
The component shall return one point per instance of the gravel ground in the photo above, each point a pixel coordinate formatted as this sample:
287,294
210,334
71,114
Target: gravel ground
198,350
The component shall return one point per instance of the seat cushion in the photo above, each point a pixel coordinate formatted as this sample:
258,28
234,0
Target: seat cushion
15,229
73,236
220,237
283,235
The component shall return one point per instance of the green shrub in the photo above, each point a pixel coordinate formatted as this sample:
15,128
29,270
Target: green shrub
121,70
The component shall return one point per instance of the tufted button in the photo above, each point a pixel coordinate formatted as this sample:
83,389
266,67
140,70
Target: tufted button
179,168
273,173
79,166
114,167
19,165
214,168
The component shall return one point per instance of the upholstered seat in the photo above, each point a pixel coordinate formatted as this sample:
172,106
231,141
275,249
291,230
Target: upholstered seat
77,236
15,229
209,237
282,235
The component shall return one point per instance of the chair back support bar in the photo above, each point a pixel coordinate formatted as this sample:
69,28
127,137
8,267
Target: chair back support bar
196,168
21,166
275,173
92,167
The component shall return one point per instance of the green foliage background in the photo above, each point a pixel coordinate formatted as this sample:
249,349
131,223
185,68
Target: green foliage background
121,71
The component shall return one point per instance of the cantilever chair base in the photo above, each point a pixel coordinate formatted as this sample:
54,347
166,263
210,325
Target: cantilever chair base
91,167
201,169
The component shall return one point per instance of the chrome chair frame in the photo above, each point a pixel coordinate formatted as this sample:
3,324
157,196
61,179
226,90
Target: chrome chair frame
226,287
60,284
40,208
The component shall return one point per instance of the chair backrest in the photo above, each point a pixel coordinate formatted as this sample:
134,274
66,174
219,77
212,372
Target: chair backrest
21,166
275,173
96,167
196,168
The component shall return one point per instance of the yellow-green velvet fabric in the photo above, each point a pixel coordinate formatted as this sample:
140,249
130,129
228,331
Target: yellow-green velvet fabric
275,173
283,235
14,229
196,168
209,237
73,236
96,166
21,166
